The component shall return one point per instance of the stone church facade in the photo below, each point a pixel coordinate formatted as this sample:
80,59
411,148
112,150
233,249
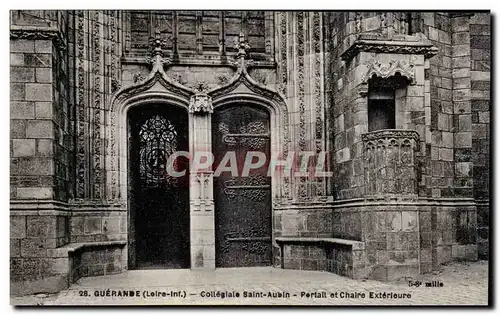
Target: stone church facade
399,101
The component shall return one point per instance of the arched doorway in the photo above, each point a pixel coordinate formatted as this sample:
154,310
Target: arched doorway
242,203
158,200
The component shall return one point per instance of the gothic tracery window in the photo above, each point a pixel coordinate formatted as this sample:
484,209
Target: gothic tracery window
158,140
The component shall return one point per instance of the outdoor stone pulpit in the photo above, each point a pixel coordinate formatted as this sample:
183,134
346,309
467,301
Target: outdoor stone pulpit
390,166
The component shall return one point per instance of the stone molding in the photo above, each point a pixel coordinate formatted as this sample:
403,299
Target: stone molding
40,33
461,14
390,133
385,45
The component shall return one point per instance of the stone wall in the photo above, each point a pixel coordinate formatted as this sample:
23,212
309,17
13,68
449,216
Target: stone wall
40,150
96,261
33,266
32,129
302,221
304,257
480,47
342,125
390,231
342,259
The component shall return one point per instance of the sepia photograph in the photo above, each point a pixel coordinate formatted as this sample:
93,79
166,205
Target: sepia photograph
294,157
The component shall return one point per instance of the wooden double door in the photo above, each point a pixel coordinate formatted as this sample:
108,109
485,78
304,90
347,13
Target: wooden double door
159,225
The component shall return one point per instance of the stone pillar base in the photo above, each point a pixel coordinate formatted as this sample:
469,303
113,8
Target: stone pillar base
202,239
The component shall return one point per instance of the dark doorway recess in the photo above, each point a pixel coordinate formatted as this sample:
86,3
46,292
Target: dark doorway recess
381,109
242,203
158,201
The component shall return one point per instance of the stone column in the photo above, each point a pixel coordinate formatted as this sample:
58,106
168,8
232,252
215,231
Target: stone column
201,203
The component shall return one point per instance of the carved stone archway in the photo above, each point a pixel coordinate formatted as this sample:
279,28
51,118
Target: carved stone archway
157,87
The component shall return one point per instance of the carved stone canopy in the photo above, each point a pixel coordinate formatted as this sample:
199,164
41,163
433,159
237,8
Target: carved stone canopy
396,73
415,45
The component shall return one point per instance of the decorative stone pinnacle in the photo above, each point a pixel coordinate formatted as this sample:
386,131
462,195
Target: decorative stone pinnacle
242,46
158,44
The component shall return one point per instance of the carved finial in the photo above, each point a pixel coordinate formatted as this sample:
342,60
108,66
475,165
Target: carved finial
180,79
242,46
157,44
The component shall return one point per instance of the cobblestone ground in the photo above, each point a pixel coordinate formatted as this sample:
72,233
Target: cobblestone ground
463,284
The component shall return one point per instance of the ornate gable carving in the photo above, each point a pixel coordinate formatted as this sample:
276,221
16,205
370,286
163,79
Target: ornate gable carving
393,69
242,84
242,81
157,80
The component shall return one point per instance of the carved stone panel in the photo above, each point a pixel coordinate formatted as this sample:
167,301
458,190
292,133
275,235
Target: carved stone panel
200,103
390,166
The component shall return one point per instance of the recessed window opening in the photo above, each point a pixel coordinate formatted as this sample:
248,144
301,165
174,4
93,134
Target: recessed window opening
381,108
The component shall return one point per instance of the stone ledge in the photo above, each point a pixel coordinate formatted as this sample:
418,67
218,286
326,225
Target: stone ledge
390,133
417,45
356,245
38,33
74,247
205,61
